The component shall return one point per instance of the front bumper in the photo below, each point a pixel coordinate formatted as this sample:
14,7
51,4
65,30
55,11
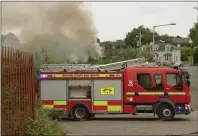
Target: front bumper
185,109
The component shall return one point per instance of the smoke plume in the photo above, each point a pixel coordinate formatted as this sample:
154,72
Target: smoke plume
64,30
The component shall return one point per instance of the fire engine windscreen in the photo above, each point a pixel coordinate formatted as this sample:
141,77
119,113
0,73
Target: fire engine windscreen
62,30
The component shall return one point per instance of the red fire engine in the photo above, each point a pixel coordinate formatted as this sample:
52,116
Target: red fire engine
84,90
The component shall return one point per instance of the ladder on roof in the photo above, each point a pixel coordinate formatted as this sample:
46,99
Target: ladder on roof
61,67
110,66
122,64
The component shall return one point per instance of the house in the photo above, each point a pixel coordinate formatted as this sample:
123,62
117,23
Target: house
181,41
164,52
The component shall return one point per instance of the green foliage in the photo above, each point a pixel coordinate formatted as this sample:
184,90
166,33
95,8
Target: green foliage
124,54
44,125
196,50
188,51
132,37
56,114
166,38
194,35
185,53
148,56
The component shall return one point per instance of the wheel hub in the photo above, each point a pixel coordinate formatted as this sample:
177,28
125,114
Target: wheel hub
167,112
80,113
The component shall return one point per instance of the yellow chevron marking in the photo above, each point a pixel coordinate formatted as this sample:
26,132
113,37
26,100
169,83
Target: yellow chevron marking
100,103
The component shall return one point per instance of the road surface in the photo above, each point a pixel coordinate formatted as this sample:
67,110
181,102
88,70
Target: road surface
133,125
194,85
194,75
142,124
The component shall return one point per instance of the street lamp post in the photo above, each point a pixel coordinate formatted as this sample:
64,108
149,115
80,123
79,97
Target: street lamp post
159,26
196,8
154,31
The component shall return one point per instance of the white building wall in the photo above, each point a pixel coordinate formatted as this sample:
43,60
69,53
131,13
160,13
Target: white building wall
160,57
176,55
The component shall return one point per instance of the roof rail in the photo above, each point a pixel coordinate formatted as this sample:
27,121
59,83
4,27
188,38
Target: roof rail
61,67
77,67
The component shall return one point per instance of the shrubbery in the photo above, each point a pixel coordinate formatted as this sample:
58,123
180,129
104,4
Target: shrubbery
125,54
44,125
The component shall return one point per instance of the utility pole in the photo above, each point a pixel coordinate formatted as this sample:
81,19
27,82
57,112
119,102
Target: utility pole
140,38
153,38
139,41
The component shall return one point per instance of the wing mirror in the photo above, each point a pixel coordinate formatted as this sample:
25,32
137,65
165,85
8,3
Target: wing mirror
187,76
188,83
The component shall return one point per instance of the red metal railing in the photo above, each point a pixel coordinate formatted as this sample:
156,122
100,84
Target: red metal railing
18,91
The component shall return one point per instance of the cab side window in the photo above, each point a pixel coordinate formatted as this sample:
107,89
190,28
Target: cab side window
173,80
158,80
144,80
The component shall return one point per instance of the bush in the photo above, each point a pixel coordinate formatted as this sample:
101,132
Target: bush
57,114
44,125
148,56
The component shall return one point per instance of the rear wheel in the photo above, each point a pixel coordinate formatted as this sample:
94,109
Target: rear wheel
166,112
80,112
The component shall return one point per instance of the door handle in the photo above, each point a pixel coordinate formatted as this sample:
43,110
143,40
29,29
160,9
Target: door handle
167,88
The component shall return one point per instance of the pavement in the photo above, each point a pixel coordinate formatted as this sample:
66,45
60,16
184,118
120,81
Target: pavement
141,124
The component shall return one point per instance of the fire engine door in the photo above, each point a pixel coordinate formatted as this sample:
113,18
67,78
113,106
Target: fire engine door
144,92
174,87
159,80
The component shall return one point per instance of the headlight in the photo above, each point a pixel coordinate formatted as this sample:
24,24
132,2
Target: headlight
43,75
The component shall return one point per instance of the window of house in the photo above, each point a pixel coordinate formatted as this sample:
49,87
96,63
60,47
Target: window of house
158,80
173,80
144,80
166,57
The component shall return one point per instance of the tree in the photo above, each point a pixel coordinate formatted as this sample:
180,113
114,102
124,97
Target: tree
194,35
166,38
147,36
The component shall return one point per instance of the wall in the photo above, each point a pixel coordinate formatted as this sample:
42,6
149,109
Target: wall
161,57
176,54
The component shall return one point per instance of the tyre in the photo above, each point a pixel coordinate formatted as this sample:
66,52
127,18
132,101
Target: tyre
166,112
80,112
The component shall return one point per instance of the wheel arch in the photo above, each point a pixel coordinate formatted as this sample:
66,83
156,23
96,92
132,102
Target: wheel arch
80,104
163,101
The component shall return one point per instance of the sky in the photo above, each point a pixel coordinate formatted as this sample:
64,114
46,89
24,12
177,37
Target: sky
114,19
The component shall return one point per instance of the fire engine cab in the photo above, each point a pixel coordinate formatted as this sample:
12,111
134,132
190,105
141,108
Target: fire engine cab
84,90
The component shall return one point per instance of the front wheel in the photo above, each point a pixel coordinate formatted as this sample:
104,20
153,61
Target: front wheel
80,112
165,112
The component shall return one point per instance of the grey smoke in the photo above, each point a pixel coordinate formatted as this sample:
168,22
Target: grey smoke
64,30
